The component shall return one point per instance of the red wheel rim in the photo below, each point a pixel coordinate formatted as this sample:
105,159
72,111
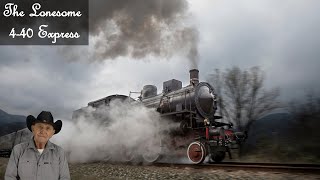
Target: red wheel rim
196,152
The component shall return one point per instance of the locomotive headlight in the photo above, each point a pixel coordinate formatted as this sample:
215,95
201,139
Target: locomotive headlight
205,99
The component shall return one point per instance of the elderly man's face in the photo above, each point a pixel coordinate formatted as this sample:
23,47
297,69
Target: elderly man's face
42,132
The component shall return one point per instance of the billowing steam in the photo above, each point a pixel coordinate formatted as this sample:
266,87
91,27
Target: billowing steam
117,132
139,28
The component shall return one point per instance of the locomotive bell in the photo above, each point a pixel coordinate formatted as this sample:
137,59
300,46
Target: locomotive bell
194,76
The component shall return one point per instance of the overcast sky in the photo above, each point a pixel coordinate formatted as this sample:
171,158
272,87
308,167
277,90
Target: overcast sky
282,37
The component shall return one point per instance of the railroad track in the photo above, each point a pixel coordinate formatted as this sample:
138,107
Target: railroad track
280,167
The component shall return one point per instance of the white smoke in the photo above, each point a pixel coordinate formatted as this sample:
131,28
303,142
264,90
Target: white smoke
114,132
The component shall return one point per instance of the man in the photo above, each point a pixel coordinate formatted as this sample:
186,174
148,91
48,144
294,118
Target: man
39,159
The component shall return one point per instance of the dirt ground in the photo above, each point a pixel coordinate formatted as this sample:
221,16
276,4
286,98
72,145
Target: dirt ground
92,171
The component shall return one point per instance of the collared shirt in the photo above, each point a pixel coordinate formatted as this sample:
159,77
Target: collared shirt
26,163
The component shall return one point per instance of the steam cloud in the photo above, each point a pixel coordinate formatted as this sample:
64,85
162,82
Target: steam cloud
132,28
136,28
113,133
140,28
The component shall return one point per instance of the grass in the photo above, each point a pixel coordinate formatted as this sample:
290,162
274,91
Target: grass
267,150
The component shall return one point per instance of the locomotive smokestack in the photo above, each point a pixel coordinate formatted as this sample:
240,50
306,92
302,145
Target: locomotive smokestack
194,76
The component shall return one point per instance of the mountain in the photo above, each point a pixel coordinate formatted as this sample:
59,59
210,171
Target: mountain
9,118
10,123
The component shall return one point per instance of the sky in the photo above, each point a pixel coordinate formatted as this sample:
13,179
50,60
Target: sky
134,43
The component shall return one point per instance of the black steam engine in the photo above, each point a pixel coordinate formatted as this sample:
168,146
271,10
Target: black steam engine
193,107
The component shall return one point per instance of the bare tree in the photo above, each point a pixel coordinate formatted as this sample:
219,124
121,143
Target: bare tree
242,97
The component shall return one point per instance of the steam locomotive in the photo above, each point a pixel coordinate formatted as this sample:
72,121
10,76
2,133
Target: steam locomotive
193,107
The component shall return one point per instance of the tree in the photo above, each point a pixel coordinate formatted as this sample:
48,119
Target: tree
305,128
242,98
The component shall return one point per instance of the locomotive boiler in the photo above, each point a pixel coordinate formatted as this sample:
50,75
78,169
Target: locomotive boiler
191,103
193,107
